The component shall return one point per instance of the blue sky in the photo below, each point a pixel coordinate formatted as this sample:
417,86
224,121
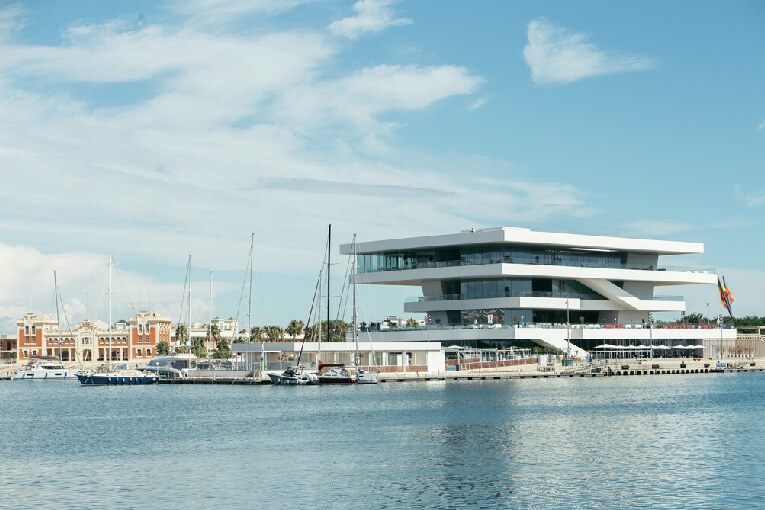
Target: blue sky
151,130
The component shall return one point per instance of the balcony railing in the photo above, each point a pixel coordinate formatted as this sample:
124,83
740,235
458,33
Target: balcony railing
510,260
547,325
459,297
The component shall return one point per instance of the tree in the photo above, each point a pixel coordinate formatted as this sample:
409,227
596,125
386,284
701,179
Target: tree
163,347
339,330
180,334
295,328
274,333
222,350
411,323
198,347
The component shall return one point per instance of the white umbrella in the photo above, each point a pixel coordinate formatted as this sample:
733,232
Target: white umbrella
680,347
660,347
602,346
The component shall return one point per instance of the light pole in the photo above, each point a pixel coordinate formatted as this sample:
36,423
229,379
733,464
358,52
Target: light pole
650,332
568,332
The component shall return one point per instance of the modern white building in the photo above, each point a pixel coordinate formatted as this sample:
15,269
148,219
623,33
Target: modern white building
515,286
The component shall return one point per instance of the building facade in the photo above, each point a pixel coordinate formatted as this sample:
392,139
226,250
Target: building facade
566,292
132,340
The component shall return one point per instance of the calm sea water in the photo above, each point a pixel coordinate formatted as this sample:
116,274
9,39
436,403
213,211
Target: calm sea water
694,441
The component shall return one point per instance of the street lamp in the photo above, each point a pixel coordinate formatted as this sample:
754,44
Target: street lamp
568,332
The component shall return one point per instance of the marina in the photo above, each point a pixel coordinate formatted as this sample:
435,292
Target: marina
502,443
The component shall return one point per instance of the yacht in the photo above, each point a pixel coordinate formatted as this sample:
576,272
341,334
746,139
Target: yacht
294,376
119,377
169,366
45,370
335,373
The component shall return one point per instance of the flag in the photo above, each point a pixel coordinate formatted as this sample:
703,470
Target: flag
726,298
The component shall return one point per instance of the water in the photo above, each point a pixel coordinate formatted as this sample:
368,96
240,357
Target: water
693,441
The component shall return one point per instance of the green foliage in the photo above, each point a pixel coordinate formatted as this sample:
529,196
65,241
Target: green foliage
198,347
180,334
295,328
222,350
163,347
339,330
749,320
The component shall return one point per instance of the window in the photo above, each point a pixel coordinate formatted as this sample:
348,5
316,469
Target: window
148,352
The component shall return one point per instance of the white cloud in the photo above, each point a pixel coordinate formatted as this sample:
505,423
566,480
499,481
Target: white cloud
556,55
232,133
370,16
761,125
11,20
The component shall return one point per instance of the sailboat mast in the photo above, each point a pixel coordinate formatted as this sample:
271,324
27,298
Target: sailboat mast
209,323
318,315
58,320
109,291
188,314
329,256
355,316
249,310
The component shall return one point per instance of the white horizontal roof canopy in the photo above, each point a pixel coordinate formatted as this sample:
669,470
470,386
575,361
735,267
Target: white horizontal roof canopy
525,236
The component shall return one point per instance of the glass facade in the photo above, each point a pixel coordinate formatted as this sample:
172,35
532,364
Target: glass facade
509,316
514,287
491,254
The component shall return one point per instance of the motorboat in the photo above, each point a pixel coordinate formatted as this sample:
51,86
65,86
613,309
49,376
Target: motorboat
335,373
294,376
117,378
366,377
47,370
168,366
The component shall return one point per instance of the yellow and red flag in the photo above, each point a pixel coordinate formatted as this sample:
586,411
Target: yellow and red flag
726,298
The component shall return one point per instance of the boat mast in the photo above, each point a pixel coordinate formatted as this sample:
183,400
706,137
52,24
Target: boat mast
355,316
318,316
58,320
249,310
109,291
329,256
209,323
188,314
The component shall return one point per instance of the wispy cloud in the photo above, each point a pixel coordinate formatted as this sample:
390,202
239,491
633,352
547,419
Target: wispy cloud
171,172
11,20
556,55
761,125
370,16
656,228
752,198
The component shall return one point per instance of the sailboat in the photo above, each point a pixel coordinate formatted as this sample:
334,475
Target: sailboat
48,369
362,376
118,377
332,373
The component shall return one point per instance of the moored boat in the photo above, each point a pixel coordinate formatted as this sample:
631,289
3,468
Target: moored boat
294,376
335,373
44,371
117,378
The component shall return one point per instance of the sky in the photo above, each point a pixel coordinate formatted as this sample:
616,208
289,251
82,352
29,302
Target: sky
155,130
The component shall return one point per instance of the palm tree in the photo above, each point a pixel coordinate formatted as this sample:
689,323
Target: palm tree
274,333
180,334
163,347
295,328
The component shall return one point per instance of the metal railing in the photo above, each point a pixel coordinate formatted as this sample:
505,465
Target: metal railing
460,297
511,260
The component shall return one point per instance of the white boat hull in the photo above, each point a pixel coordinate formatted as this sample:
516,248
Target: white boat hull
364,377
45,374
